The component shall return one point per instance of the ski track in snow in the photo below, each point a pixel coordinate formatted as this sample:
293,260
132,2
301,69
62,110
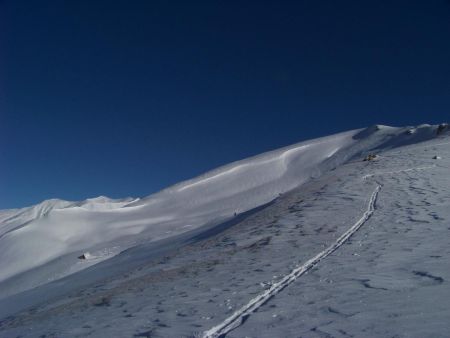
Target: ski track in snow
365,177
241,315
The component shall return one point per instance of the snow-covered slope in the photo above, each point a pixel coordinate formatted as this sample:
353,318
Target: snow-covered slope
13,219
44,241
360,251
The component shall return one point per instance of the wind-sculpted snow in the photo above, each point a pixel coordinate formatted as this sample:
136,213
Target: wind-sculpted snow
42,243
269,272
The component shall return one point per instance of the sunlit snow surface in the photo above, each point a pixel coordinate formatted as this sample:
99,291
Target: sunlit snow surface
40,234
198,276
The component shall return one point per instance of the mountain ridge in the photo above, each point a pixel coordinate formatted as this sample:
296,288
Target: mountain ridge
105,227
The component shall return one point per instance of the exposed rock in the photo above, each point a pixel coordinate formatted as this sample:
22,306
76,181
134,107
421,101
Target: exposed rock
370,157
441,128
86,255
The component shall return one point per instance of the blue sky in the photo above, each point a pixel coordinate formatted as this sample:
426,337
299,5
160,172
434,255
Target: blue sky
123,98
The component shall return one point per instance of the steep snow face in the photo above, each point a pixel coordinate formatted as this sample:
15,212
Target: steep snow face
44,240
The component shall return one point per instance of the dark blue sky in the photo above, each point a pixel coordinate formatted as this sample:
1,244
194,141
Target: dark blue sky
124,98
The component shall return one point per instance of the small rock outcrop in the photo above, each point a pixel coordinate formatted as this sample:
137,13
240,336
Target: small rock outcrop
370,157
86,255
441,128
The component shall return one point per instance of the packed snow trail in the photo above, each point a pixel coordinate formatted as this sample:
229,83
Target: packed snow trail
239,317
365,177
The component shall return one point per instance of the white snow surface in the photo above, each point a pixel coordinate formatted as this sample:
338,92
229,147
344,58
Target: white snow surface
45,240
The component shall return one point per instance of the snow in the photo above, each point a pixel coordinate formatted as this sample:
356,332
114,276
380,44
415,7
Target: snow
52,229
238,317
40,244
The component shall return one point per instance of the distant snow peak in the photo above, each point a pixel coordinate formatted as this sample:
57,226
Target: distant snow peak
102,203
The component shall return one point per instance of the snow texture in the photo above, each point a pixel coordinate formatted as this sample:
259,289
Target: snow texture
323,244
